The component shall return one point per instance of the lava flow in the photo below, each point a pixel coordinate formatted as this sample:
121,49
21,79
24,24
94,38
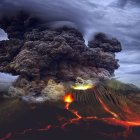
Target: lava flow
115,119
68,99
106,108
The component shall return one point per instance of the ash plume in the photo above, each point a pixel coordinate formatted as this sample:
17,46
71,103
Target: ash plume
36,50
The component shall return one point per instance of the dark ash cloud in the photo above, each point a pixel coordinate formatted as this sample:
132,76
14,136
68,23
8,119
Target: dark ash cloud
36,50
119,18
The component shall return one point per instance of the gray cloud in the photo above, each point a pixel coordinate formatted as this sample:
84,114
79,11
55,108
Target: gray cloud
131,56
135,72
3,35
123,3
6,81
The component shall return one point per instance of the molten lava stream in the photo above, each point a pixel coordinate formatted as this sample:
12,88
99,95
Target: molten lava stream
68,99
106,108
115,119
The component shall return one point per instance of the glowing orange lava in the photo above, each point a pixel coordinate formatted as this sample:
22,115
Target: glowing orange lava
68,99
106,108
115,118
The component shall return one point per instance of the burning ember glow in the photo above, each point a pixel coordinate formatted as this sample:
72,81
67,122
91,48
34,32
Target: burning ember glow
82,86
68,98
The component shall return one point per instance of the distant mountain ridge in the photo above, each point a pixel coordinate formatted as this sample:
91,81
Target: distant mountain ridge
121,87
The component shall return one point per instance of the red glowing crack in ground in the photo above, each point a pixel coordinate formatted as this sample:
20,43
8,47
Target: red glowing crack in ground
114,120
68,99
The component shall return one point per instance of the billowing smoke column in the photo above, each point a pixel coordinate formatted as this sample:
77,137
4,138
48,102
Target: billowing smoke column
35,50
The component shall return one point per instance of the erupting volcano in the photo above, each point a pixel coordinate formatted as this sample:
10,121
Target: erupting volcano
64,88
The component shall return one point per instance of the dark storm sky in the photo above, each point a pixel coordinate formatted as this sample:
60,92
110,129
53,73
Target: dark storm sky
119,18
